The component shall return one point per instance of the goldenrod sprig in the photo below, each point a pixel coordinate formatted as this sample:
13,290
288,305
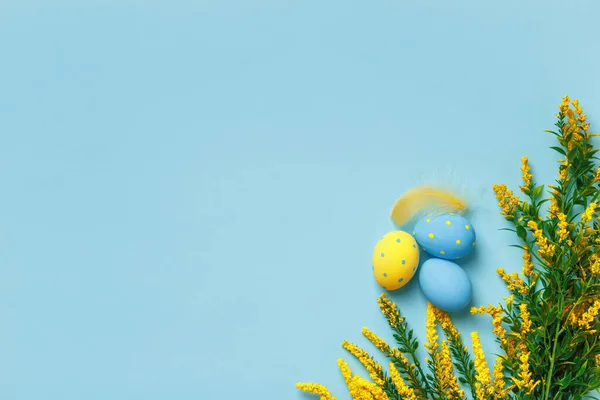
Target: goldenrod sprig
407,342
461,358
559,258
401,363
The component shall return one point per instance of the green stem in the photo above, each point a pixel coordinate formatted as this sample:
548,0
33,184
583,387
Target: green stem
406,343
457,348
418,365
549,377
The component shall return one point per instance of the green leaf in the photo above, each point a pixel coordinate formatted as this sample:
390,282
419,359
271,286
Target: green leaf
558,149
572,154
521,232
566,380
537,191
581,370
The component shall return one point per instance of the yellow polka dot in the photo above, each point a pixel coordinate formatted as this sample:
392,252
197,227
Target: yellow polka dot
468,227
427,220
442,252
458,242
473,244
448,223
431,235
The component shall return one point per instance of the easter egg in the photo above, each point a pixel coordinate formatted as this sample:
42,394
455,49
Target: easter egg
445,284
447,236
395,259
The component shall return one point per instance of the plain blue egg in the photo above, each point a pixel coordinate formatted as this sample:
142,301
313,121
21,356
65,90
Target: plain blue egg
447,236
445,284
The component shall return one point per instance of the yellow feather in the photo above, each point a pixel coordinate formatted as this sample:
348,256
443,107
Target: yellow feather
425,198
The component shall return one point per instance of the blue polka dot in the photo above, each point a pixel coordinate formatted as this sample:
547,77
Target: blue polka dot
397,240
385,275
403,261
382,255
400,280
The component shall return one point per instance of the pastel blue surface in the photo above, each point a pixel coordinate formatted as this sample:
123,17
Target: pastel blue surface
445,284
453,236
192,190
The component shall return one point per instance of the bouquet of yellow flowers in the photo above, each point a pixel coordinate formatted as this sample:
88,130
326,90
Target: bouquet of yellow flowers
547,328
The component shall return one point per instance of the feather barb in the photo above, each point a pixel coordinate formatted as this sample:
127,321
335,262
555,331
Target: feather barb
425,199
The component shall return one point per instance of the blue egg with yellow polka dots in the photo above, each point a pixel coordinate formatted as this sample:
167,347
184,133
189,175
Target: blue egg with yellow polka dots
448,236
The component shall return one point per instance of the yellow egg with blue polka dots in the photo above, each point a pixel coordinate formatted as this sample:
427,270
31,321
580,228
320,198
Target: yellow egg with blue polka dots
395,260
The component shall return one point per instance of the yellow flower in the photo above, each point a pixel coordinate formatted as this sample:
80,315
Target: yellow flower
511,348
514,281
595,267
403,389
576,313
524,381
527,264
345,370
507,201
497,319
562,227
500,389
483,386
374,369
578,109
432,337
316,389
446,376
389,309
376,340
446,323
526,322
571,127
564,106
398,355
400,358
562,173
597,175
360,388
553,208
525,168
588,213
546,249
589,316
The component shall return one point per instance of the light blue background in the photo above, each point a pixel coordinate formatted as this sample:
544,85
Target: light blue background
191,190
